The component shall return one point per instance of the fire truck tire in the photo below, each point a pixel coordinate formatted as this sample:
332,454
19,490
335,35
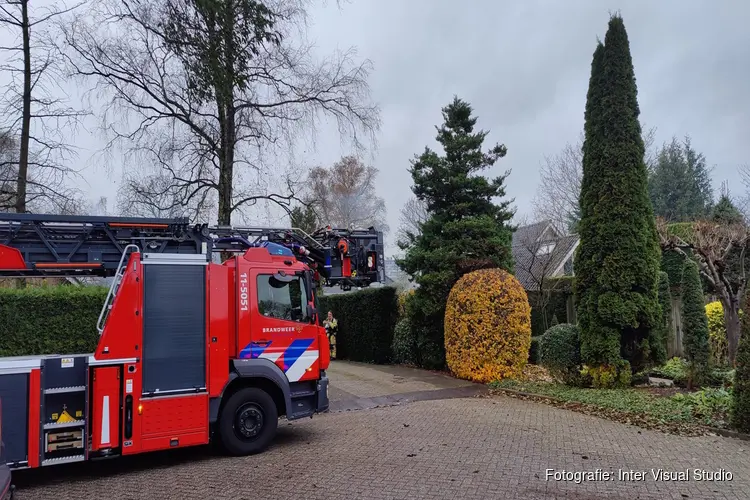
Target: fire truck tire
248,422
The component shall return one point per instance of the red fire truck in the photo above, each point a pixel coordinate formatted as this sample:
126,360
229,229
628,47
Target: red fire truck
191,349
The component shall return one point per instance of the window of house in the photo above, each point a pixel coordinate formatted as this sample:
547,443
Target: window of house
545,248
568,267
285,300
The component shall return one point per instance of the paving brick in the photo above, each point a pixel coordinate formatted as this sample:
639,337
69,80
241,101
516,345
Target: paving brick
458,448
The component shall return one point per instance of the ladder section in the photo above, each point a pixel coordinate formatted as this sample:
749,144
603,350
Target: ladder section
64,409
115,286
256,235
56,245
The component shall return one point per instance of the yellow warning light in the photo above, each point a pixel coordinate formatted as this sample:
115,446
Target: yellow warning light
140,409
309,369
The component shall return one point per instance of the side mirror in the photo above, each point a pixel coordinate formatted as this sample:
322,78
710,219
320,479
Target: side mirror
311,312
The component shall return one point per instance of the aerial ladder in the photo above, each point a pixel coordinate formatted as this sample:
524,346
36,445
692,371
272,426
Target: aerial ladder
78,246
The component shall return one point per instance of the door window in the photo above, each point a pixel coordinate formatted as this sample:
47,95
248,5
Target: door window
283,299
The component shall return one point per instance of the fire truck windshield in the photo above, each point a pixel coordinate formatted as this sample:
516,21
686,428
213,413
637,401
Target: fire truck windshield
284,297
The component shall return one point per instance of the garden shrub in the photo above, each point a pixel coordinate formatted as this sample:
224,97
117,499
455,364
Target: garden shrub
717,334
695,324
609,375
661,332
487,326
720,377
534,350
49,320
560,352
366,323
675,369
672,263
403,297
707,405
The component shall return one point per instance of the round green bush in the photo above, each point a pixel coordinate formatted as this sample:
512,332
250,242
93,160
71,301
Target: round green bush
560,352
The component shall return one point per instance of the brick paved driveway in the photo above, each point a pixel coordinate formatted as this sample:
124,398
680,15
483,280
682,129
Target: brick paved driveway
473,447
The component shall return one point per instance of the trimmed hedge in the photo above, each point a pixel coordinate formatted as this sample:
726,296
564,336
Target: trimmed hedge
49,320
62,320
556,306
487,326
367,319
404,344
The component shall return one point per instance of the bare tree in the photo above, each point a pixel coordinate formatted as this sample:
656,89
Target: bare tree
8,175
344,195
34,112
560,178
209,92
720,250
743,201
538,254
144,194
413,215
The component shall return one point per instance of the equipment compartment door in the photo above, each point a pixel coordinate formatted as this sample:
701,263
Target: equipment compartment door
14,392
174,325
105,424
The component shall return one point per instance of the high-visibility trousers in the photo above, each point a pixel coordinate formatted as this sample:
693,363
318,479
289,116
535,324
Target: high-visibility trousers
332,343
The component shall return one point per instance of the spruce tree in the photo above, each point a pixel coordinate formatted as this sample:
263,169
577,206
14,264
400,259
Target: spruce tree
618,261
680,183
694,323
304,218
725,212
467,228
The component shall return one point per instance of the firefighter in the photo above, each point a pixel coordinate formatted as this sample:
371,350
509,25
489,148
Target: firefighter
361,259
332,327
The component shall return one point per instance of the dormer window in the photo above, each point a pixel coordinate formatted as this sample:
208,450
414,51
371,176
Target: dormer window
546,248
568,267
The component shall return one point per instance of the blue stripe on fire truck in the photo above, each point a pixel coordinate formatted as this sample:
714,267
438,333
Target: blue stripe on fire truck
294,351
297,357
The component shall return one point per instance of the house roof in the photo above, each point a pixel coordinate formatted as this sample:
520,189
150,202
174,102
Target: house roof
532,265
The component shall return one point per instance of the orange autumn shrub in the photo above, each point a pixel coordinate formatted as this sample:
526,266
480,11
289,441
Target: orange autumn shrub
487,326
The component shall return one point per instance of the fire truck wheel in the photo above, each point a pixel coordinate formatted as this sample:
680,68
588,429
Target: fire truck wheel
248,422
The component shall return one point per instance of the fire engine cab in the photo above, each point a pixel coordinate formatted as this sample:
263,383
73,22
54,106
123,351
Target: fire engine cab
191,349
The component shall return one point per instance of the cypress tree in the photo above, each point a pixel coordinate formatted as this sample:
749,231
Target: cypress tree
694,323
597,344
618,261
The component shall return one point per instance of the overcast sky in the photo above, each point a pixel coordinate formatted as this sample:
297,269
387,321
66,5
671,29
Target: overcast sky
524,67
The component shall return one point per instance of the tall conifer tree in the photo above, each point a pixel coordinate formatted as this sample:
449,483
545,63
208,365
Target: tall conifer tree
618,261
